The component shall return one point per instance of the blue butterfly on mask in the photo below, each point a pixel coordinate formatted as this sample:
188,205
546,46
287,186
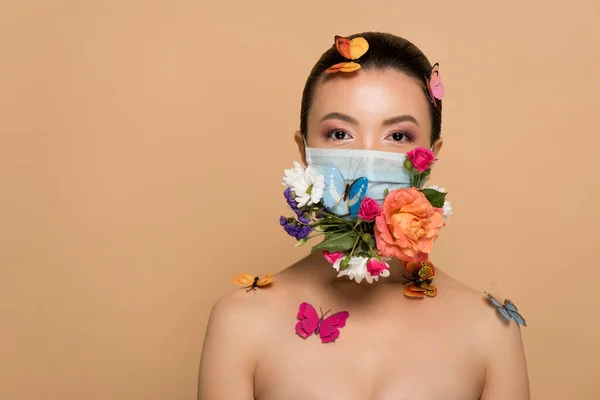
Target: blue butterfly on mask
507,309
342,197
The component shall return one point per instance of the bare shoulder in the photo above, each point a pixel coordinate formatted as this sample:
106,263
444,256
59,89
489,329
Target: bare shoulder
253,309
499,341
242,308
236,335
477,310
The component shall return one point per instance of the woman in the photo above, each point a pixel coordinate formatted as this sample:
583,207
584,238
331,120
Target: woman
452,346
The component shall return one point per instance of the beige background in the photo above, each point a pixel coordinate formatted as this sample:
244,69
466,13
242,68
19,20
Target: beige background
142,145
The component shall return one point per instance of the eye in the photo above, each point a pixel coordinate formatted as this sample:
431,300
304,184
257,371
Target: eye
337,135
401,137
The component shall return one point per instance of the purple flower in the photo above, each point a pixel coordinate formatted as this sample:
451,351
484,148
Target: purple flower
289,197
291,229
303,219
294,228
304,232
323,210
287,193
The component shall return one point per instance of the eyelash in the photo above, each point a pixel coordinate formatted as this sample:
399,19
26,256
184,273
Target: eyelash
330,135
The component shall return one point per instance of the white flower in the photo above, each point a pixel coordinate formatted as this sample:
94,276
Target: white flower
447,210
435,187
292,174
306,183
447,206
357,270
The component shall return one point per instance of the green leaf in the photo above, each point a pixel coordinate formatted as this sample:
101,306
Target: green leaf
300,242
435,198
336,242
345,264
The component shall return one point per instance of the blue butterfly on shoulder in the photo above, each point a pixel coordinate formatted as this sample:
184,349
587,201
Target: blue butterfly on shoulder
342,197
507,310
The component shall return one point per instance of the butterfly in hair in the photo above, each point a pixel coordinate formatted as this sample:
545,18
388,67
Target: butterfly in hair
350,49
434,86
337,191
253,282
507,309
328,328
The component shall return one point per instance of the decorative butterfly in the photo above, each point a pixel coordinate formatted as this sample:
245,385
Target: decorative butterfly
350,50
507,309
435,87
345,197
326,328
423,274
251,281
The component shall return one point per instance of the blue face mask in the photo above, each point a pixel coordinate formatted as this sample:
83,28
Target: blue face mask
383,169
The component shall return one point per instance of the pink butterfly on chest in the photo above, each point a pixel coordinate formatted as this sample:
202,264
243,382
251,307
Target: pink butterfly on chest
326,328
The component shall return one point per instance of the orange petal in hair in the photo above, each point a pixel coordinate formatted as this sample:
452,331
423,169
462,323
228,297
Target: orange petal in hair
351,49
343,67
358,47
343,46
350,66
334,68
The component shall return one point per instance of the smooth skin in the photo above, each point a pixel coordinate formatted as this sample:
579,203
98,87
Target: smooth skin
453,346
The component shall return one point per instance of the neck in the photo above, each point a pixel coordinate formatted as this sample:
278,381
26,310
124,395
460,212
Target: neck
322,271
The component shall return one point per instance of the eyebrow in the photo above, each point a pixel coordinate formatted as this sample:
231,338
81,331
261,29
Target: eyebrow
354,121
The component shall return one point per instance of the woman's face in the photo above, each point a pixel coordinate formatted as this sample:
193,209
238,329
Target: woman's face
369,109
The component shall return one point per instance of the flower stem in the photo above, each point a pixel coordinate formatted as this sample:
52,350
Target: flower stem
353,247
315,235
333,216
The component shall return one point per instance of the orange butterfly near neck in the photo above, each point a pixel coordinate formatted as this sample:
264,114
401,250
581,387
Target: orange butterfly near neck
253,282
422,276
351,50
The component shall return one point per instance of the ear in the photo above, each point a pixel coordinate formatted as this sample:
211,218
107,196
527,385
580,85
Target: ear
300,143
437,146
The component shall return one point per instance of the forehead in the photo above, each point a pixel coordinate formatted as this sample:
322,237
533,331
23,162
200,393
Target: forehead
371,96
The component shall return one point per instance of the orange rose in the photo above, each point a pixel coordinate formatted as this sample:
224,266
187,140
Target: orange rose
408,225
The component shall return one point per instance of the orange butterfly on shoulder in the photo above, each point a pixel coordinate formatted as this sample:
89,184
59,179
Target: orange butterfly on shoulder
252,282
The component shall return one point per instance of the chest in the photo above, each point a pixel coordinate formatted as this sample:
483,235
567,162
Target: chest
376,359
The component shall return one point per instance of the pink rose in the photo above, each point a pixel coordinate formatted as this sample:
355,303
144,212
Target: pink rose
376,267
369,209
332,257
421,158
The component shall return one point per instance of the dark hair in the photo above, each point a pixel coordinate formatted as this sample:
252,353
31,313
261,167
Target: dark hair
385,51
